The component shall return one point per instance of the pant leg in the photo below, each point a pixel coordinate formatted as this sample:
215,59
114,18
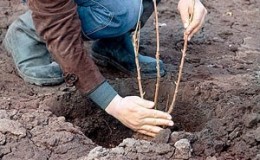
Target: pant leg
119,50
107,18
148,10
31,57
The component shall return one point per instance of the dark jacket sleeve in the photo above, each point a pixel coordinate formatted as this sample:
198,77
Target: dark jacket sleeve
57,23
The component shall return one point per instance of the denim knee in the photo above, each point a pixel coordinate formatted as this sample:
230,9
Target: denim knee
128,17
105,18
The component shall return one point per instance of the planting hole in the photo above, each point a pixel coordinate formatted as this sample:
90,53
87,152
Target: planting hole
106,131
97,125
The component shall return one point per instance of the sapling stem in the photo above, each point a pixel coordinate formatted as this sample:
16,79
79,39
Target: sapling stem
157,85
136,40
185,46
179,74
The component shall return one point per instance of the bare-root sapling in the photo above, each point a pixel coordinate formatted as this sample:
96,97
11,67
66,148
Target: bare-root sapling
185,46
157,85
136,40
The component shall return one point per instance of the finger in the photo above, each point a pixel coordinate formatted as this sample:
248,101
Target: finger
144,103
156,114
197,28
152,129
195,21
184,12
157,122
151,134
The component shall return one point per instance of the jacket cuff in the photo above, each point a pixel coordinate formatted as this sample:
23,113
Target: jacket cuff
103,95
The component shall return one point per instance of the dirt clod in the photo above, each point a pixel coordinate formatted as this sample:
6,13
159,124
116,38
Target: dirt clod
163,136
13,127
257,134
2,139
251,120
176,136
183,149
133,149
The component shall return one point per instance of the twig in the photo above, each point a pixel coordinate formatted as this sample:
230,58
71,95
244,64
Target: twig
157,85
136,37
167,103
136,49
181,65
179,75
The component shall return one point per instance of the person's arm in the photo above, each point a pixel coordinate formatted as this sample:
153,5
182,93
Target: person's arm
58,24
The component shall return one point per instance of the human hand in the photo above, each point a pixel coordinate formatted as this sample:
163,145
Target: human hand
193,14
138,115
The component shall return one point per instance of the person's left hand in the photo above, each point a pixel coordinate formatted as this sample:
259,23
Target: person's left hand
138,114
193,14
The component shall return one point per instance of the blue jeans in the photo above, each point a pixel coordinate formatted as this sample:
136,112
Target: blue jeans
107,18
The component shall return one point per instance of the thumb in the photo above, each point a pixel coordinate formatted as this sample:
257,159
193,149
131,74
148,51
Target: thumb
184,12
185,22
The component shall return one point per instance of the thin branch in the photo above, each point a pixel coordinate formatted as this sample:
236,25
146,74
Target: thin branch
167,103
136,40
181,65
179,75
157,86
136,49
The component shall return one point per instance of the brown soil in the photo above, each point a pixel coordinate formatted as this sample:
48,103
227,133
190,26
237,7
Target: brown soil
218,102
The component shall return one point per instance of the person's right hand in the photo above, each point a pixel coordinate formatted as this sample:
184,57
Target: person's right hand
138,115
193,14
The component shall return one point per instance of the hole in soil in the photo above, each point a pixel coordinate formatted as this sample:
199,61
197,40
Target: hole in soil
97,125
106,131
189,118
191,112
